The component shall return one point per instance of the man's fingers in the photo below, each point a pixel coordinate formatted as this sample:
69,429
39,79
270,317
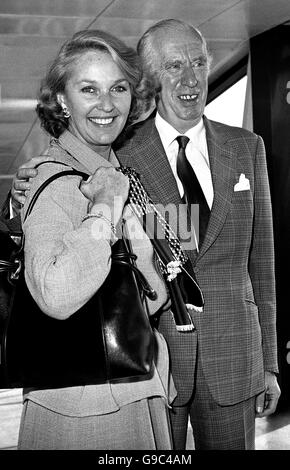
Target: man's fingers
36,160
268,400
271,401
27,170
25,173
260,402
21,185
270,407
18,200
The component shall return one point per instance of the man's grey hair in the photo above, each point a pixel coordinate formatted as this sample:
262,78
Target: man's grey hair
148,53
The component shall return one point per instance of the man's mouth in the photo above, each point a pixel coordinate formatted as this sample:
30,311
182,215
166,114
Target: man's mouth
102,121
188,97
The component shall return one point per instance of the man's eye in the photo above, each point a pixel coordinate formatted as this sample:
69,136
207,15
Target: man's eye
175,66
198,64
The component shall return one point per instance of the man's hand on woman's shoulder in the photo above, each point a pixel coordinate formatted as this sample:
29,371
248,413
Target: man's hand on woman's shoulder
21,184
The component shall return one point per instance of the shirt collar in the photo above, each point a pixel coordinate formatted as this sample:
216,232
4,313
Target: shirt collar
168,133
84,154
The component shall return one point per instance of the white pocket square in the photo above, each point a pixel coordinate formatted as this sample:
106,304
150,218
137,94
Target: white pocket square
243,184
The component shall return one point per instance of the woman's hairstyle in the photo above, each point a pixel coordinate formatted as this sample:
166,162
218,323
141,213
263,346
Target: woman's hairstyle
148,51
50,112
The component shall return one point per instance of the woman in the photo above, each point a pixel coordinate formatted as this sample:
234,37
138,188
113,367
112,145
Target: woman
87,97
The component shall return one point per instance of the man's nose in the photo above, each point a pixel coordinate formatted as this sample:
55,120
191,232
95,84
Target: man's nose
105,102
188,77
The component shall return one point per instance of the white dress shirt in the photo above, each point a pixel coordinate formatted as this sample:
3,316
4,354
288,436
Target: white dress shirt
196,152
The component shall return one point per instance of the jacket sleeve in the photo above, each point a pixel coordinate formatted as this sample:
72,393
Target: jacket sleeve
261,263
13,223
65,263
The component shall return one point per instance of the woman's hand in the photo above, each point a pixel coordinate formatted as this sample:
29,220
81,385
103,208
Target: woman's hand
107,190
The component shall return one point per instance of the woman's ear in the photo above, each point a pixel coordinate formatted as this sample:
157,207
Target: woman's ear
60,99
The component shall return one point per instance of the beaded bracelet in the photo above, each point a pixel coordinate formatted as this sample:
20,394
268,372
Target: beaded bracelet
100,215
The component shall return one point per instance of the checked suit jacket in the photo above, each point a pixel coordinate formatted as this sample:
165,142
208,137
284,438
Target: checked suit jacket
234,266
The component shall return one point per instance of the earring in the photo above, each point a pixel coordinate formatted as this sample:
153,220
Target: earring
65,111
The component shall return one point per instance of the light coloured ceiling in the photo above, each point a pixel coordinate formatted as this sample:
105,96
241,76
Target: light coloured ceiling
31,32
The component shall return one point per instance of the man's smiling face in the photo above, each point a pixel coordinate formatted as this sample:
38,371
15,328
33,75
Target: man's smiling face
183,76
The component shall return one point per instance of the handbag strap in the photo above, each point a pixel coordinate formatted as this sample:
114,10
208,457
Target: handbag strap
50,180
121,254
14,265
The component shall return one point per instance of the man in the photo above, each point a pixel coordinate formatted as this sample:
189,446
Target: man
224,370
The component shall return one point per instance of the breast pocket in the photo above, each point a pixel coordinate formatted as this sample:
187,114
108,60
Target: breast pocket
242,207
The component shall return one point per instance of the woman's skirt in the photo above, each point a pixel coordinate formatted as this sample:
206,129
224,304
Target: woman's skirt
142,425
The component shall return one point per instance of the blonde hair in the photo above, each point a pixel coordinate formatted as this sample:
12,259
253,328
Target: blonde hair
49,110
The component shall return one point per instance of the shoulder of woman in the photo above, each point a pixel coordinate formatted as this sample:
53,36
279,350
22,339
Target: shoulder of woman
60,188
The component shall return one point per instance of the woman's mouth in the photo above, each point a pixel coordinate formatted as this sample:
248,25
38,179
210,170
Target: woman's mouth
102,121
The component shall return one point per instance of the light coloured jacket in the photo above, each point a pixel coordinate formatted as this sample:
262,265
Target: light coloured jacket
65,265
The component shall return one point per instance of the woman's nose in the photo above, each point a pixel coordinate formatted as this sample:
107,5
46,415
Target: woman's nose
105,102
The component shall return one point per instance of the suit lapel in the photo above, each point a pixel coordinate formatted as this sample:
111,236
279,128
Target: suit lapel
223,164
146,154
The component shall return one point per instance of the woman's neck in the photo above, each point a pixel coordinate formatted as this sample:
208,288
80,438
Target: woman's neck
105,153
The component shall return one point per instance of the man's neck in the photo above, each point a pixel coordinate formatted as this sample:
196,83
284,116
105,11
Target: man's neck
184,130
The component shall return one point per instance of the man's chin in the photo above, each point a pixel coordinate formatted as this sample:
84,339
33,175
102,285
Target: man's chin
188,120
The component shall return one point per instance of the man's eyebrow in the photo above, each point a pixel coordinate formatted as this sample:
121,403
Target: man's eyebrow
172,61
201,56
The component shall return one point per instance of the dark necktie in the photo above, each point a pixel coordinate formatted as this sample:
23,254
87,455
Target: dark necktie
192,189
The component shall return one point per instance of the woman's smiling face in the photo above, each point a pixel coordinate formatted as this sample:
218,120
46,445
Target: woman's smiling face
98,97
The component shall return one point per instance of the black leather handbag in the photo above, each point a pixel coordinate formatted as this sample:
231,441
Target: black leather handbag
109,339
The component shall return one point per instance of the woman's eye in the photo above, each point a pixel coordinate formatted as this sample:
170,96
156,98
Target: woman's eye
119,89
88,89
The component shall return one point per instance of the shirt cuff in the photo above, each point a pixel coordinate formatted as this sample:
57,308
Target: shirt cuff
12,212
